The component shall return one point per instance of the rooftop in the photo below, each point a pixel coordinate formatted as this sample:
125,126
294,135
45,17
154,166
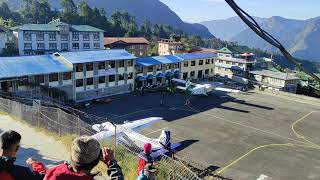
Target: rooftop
191,56
235,50
11,67
169,41
273,74
96,56
128,40
157,60
53,26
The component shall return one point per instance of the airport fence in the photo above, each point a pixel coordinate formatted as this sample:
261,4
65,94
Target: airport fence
63,121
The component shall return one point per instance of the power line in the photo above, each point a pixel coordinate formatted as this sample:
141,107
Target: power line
267,37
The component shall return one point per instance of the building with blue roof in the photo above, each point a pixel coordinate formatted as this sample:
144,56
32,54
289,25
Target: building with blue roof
82,76
160,69
37,39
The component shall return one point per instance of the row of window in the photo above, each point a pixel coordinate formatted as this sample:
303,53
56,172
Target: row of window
64,37
102,79
53,77
64,46
231,63
102,65
164,66
200,63
139,46
200,73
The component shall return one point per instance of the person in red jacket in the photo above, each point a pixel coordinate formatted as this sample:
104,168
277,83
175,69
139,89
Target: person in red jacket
145,157
85,155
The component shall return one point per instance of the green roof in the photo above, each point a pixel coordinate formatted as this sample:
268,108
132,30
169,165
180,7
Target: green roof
54,27
235,50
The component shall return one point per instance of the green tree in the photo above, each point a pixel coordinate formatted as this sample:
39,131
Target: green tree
10,50
70,12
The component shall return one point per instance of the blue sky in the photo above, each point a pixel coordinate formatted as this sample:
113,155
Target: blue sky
201,10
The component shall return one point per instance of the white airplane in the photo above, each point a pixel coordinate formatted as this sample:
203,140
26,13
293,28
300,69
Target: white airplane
192,88
127,135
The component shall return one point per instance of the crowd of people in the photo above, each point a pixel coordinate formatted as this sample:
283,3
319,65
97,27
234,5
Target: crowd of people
85,154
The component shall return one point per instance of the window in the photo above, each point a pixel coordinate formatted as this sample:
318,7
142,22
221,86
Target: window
240,64
168,66
176,65
130,75
193,63
159,67
75,36
27,36
79,82
206,71
212,61
112,64
64,46
130,63
89,81
86,37
139,70
150,68
79,68
200,62
208,61
40,45
96,36
89,66
102,65
121,77
52,45
228,62
186,64
27,46
52,37
86,45
53,77
112,78
141,46
39,78
121,63
233,63
192,73
67,76
185,75
75,45
40,36
220,61
102,79
64,37
96,45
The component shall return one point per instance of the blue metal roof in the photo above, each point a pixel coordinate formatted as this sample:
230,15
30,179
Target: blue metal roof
157,60
11,67
191,56
96,56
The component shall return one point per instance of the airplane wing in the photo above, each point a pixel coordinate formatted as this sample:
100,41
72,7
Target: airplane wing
140,124
103,135
227,90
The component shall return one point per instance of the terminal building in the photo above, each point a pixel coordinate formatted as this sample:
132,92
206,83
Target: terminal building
80,76
161,69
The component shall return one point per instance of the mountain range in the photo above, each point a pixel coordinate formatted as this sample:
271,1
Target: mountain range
152,10
300,37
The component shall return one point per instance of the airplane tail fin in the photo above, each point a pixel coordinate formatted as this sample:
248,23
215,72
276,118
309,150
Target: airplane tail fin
165,138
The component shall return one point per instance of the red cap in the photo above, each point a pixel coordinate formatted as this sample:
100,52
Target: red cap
147,147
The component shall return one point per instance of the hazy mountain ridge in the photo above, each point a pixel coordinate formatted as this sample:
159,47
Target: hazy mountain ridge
152,10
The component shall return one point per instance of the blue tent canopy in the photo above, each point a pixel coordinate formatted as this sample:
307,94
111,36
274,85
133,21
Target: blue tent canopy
161,75
150,76
141,78
169,74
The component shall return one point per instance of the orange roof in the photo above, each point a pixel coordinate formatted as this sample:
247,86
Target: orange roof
129,40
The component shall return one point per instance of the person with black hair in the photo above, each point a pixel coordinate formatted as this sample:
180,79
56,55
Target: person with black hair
10,144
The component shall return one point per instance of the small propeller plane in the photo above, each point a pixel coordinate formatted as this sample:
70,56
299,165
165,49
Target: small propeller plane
127,136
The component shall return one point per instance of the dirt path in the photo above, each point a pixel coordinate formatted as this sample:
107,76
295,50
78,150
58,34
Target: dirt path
35,144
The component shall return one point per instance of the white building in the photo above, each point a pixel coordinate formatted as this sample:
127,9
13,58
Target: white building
5,38
36,39
275,80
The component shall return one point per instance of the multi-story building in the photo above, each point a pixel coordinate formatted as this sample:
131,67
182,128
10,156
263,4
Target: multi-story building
37,39
169,47
83,75
235,62
6,37
138,46
161,69
197,65
157,70
274,80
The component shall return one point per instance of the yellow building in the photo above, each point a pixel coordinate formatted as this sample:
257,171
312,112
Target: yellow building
169,47
197,65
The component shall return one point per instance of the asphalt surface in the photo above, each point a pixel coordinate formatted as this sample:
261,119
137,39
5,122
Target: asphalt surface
239,136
